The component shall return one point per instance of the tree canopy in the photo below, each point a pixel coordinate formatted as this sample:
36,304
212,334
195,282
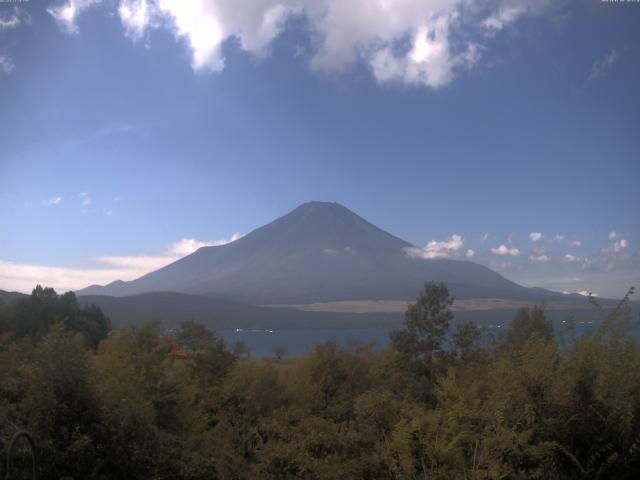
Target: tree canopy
435,404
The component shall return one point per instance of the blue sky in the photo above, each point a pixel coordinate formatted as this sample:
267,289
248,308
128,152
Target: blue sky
134,131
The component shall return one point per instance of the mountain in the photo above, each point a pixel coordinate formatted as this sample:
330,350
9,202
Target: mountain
319,252
173,308
6,297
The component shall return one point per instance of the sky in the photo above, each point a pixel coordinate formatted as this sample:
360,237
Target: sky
504,132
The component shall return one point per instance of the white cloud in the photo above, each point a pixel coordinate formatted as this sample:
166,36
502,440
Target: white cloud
612,234
207,24
413,42
535,236
620,245
563,238
539,258
603,65
504,250
614,253
582,262
410,41
484,237
503,17
6,65
136,16
175,251
430,62
332,252
189,245
435,249
53,201
10,20
143,263
67,12
85,200
197,23
471,253
586,293
24,277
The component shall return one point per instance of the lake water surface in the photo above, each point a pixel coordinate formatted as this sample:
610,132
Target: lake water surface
298,342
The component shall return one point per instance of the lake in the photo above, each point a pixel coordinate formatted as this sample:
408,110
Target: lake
300,341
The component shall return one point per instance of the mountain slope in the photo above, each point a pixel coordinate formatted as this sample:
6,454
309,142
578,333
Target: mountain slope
318,252
173,308
6,297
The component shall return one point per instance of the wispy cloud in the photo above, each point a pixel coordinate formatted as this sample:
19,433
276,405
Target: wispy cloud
52,202
173,252
616,247
135,15
603,65
615,253
564,239
190,245
540,257
11,19
503,17
6,65
85,200
23,277
66,13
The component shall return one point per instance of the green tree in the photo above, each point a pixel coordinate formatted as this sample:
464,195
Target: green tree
329,380
528,324
194,337
465,339
152,416
47,390
34,316
420,341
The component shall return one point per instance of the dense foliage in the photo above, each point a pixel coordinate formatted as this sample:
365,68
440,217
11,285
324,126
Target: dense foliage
142,403
33,317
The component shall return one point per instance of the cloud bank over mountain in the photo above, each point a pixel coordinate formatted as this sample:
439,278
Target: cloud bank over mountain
103,269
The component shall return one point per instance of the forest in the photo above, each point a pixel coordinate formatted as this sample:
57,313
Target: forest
440,402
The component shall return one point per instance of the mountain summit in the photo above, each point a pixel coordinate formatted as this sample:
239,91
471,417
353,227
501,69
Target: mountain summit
319,252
